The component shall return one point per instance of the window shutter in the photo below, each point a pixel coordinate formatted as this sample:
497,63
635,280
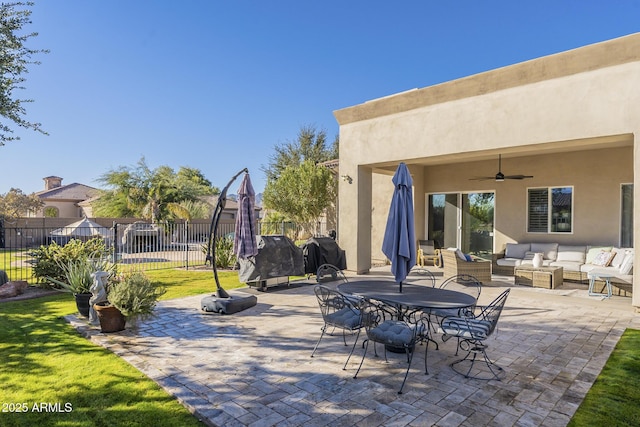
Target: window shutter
538,214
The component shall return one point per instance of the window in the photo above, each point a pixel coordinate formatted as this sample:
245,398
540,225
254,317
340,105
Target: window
550,210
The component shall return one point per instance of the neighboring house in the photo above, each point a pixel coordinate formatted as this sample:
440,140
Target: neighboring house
230,210
570,120
65,201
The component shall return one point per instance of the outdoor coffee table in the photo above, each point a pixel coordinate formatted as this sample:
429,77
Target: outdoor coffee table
538,277
606,277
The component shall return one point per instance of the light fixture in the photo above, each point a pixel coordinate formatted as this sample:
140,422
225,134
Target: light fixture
347,178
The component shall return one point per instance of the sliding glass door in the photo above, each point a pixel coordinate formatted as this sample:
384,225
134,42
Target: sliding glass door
462,220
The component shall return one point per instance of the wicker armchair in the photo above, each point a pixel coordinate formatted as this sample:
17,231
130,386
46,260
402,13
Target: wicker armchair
453,266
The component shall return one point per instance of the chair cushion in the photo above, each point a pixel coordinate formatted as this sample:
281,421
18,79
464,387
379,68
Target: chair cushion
466,328
448,312
345,317
393,332
516,250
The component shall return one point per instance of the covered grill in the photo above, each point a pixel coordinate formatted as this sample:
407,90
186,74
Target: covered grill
322,250
278,258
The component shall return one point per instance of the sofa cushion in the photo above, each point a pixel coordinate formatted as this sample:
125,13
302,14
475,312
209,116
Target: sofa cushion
594,251
508,262
618,257
516,250
545,262
627,263
567,265
588,268
571,253
548,250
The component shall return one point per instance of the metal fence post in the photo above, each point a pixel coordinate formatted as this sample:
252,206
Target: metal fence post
186,243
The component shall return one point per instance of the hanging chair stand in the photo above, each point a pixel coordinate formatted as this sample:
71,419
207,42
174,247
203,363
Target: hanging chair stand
221,301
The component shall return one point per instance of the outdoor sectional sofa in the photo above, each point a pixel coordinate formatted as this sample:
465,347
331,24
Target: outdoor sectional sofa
576,260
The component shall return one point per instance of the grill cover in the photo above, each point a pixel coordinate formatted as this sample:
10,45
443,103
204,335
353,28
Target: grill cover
277,256
322,250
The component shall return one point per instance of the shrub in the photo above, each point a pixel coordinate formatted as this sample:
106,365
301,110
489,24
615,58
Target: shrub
134,294
48,261
225,257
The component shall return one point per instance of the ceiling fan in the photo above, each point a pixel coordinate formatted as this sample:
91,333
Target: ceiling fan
500,176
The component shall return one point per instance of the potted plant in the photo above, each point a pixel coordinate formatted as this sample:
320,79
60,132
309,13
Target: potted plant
130,297
78,280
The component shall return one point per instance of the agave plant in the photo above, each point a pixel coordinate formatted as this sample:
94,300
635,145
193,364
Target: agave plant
78,272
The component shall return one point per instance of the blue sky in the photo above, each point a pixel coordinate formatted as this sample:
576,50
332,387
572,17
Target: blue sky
215,85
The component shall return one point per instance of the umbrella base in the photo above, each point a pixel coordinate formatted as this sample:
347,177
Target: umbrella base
233,304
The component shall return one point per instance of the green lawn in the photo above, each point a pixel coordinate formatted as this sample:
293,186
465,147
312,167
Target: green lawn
615,396
56,377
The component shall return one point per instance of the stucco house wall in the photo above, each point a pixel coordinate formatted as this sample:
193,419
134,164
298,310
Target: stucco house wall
567,119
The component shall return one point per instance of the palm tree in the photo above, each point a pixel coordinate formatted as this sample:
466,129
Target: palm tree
152,194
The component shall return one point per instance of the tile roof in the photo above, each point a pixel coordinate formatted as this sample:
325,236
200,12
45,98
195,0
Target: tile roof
72,191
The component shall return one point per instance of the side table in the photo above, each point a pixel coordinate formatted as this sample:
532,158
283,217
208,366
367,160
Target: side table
606,277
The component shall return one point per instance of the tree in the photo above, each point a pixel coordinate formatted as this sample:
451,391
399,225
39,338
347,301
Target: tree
15,204
302,192
311,144
15,58
296,164
154,194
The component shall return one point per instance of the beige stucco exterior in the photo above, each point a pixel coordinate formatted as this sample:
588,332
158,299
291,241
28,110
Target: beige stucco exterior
570,119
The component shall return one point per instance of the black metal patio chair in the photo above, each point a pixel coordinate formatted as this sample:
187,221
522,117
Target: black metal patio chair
420,275
464,283
338,312
472,333
382,327
329,272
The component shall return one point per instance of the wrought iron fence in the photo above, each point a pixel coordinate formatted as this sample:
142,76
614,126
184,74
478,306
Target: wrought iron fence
134,246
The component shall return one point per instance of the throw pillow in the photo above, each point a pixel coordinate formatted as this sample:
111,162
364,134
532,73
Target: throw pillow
594,251
528,256
460,254
602,259
468,257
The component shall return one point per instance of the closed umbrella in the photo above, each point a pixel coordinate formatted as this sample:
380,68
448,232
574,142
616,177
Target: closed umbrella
244,241
399,244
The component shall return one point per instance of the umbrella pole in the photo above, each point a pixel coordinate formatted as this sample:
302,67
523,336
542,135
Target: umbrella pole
213,229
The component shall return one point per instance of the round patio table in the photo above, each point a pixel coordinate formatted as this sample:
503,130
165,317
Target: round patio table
412,297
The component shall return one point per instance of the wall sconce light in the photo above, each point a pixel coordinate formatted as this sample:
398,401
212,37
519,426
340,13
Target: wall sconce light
347,178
